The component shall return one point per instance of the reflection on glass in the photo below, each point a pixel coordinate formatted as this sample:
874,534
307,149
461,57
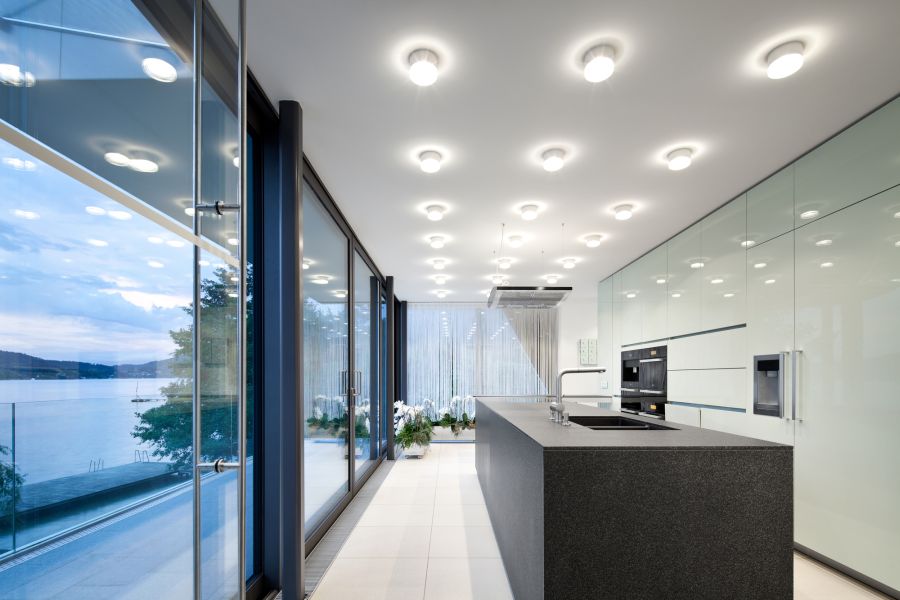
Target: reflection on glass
386,403
325,362
365,378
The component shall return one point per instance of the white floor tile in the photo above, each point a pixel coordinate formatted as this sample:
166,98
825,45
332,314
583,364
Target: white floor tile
461,515
373,579
387,541
459,495
398,515
814,581
467,579
401,495
463,542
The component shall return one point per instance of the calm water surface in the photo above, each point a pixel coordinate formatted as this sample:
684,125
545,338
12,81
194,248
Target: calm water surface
62,425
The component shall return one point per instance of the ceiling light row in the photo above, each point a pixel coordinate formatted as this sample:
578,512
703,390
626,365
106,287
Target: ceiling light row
141,165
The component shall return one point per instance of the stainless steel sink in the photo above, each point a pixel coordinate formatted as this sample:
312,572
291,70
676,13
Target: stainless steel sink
614,422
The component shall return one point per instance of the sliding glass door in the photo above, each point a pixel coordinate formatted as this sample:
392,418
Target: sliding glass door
365,360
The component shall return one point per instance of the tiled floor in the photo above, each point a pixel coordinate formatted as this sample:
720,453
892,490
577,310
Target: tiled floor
419,529
425,534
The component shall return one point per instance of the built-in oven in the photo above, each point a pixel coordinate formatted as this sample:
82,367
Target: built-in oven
643,387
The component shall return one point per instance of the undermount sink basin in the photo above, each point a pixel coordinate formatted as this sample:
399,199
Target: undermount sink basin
607,423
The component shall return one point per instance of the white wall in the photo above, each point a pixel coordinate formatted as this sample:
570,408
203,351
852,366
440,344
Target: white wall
577,320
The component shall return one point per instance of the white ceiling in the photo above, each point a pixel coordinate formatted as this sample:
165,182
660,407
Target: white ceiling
689,73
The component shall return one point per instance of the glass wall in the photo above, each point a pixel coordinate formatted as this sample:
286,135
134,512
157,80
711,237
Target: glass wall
365,356
455,351
325,361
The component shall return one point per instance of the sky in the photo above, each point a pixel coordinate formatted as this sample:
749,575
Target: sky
81,277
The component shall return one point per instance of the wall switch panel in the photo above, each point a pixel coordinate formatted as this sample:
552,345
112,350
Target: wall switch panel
587,352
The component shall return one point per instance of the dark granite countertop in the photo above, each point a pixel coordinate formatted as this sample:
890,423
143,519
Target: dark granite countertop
533,419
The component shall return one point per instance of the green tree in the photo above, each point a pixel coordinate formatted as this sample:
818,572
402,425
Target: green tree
168,428
10,485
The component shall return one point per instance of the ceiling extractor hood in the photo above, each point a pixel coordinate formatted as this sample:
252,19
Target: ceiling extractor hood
507,296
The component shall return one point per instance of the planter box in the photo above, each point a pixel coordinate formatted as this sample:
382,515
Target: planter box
445,434
414,451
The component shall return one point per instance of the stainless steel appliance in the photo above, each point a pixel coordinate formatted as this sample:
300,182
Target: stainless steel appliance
643,386
768,385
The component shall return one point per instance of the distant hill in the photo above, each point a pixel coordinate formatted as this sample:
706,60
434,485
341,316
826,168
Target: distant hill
15,365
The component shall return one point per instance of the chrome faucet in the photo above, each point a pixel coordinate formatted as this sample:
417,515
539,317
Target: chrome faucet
558,412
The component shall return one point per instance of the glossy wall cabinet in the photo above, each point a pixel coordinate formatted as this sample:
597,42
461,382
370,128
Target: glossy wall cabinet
685,282
723,277
847,479
770,207
857,163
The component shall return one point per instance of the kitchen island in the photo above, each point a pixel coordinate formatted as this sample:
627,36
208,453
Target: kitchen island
680,513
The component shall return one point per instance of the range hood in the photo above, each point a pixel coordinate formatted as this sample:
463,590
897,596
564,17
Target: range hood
508,296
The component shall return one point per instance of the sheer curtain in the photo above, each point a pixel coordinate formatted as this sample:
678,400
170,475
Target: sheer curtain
470,350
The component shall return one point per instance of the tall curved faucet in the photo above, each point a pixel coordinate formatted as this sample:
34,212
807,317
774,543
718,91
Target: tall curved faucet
556,407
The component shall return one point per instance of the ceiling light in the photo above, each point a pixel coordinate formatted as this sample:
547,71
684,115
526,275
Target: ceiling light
94,210
175,243
769,281
155,264
553,159
661,280
697,265
340,293
827,265
435,212
676,295
497,279
569,262
306,263
117,159
897,215
438,264
515,241
809,214
440,279
599,63
630,295
142,165
28,215
119,215
717,281
158,69
759,265
824,242
441,293
552,279
623,212
189,211
320,279
897,243
592,241
748,243
233,241
679,159
430,161
785,60
19,164
98,243
504,263
529,212
436,242
236,161
728,295
423,67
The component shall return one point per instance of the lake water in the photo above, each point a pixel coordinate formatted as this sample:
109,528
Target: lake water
61,426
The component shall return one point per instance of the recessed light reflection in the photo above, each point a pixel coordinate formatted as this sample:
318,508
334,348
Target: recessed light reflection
827,265
19,164
676,295
159,70
759,265
809,214
307,263
697,265
825,242
661,281
233,241
717,281
769,281
119,215
728,295
94,210
189,211
748,243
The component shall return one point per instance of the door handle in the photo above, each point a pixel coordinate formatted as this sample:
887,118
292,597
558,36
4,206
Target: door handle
796,408
650,392
220,465
624,389
650,360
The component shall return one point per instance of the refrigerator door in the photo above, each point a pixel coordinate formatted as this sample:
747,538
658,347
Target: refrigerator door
847,480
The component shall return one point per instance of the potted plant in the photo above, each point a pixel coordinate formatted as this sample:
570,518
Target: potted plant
455,422
412,429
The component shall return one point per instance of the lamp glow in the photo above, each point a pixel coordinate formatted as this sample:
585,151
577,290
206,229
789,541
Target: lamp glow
423,67
430,161
515,241
785,60
529,212
435,212
680,159
159,70
592,241
599,63
623,212
436,242
553,159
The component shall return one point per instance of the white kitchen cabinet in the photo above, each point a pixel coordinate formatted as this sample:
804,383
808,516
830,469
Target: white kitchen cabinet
859,162
685,280
616,329
847,487
715,350
770,207
723,279
653,272
605,350
711,387
686,415
629,297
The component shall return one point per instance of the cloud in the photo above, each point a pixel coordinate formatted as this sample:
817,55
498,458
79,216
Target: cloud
148,301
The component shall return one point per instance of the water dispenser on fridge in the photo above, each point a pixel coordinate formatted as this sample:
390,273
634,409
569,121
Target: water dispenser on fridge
768,385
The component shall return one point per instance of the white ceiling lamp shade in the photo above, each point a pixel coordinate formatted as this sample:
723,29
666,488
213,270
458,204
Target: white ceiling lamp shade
623,212
593,240
515,241
748,243
159,70
806,215
435,212
553,159
759,265
117,159
340,293
661,281
676,294
320,279
529,212
440,279
439,264
824,242
717,281
569,262
437,241
430,161
599,63
504,262
552,279
423,67
785,60
442,293
679,159
630,295
498,279
307,263
698,264
141,165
